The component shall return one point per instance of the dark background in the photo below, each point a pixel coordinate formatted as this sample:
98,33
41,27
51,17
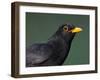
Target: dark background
41,26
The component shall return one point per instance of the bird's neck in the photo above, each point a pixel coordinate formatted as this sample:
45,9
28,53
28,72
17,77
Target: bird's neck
60,47
59,41
68,40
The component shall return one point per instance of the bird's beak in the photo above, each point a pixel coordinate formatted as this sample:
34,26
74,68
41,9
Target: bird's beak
76,30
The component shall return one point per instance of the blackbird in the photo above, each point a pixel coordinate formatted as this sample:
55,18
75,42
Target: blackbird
55,50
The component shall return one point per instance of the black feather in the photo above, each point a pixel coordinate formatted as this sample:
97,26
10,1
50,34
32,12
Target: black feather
53,52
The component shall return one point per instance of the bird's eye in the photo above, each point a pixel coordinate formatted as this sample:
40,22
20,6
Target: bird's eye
65,28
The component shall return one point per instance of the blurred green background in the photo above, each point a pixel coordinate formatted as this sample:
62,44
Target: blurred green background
41,26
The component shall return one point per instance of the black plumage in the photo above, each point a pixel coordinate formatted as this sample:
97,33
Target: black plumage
55,50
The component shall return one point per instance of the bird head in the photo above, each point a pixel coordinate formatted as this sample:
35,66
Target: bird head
68,31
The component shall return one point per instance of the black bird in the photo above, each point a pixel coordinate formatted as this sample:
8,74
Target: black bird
55,50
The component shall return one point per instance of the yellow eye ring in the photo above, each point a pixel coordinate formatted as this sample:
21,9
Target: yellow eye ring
65,28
